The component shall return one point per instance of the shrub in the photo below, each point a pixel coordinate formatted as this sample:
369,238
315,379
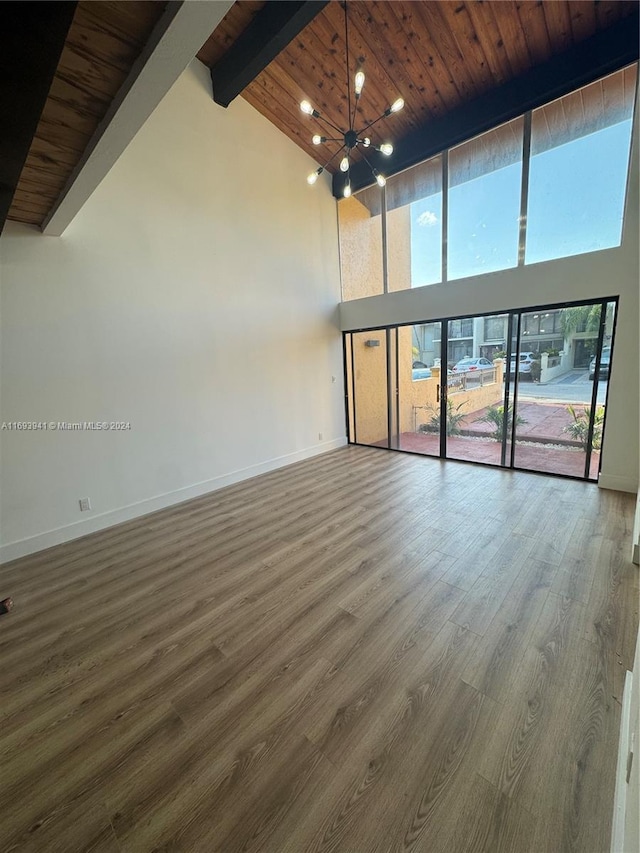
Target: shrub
536,371
454,418
495,416
579,429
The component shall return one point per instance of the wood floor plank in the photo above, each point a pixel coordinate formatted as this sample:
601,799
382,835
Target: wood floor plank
387,758
241,743
611,622
580,562
490,822
497,658
485,598
359,653
554,751
371,677
81,824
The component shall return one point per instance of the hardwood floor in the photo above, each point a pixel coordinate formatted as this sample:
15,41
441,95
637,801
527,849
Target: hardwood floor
366,652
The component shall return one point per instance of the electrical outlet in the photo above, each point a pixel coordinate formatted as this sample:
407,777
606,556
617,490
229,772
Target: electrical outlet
85,504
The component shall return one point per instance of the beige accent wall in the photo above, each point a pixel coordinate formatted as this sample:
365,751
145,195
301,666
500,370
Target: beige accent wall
194,297
360,250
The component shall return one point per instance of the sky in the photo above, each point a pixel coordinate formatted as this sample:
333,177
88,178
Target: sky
576,200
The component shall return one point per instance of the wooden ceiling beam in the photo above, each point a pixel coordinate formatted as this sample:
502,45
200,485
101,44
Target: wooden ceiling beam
32,38
601,54
271,30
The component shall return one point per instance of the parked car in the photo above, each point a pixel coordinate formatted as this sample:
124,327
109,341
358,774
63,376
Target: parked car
420,373
465,365
526,360
605,359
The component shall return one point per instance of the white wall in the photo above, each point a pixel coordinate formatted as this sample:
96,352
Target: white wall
195,296
613,272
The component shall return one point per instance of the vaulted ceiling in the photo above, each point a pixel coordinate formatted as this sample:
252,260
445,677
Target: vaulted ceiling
437,55
448,60
102,44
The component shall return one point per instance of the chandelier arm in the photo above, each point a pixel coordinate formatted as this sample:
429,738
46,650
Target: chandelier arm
352,120
366,160
334,155
320,117
374,171
371,123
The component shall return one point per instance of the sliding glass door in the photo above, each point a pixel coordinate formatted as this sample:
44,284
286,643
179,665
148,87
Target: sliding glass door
519,389
418,390
369,392
475,388
562,387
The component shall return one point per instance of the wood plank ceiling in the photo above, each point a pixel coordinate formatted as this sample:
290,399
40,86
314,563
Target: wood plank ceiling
104,40
437,55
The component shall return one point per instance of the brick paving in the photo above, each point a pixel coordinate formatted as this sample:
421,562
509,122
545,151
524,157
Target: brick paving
538,457
544,422
545,446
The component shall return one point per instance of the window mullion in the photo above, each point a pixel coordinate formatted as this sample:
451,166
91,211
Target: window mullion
524,192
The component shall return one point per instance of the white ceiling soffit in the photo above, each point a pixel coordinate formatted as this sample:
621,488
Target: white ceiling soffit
157,69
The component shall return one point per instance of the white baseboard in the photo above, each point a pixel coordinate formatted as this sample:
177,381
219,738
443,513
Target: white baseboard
617,483
32,544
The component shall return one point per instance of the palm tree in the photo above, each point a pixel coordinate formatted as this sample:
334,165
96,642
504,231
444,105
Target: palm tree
583,318
495,416
579,428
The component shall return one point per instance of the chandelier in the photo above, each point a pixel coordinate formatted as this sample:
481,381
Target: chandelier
350,138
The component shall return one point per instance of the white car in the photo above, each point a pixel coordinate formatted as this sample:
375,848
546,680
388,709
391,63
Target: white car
465,365
526,360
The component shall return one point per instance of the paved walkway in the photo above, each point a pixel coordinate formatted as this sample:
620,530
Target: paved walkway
541,457
545,422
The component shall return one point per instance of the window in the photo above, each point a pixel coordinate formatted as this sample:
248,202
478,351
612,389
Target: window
577,168
542,419
414,226
546,323
495,328
485,180
578,173
461,328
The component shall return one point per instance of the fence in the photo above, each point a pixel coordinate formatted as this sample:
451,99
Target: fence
473,379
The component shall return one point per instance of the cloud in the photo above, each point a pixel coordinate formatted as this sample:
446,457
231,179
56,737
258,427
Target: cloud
428,218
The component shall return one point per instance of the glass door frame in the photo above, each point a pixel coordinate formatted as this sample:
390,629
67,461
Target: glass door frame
514,331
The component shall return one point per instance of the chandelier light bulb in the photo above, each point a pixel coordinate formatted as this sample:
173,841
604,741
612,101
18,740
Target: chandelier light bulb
397,105
344,164
386,148
313,177
317,139
306,108
380,179
347,190
366,142
359,83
